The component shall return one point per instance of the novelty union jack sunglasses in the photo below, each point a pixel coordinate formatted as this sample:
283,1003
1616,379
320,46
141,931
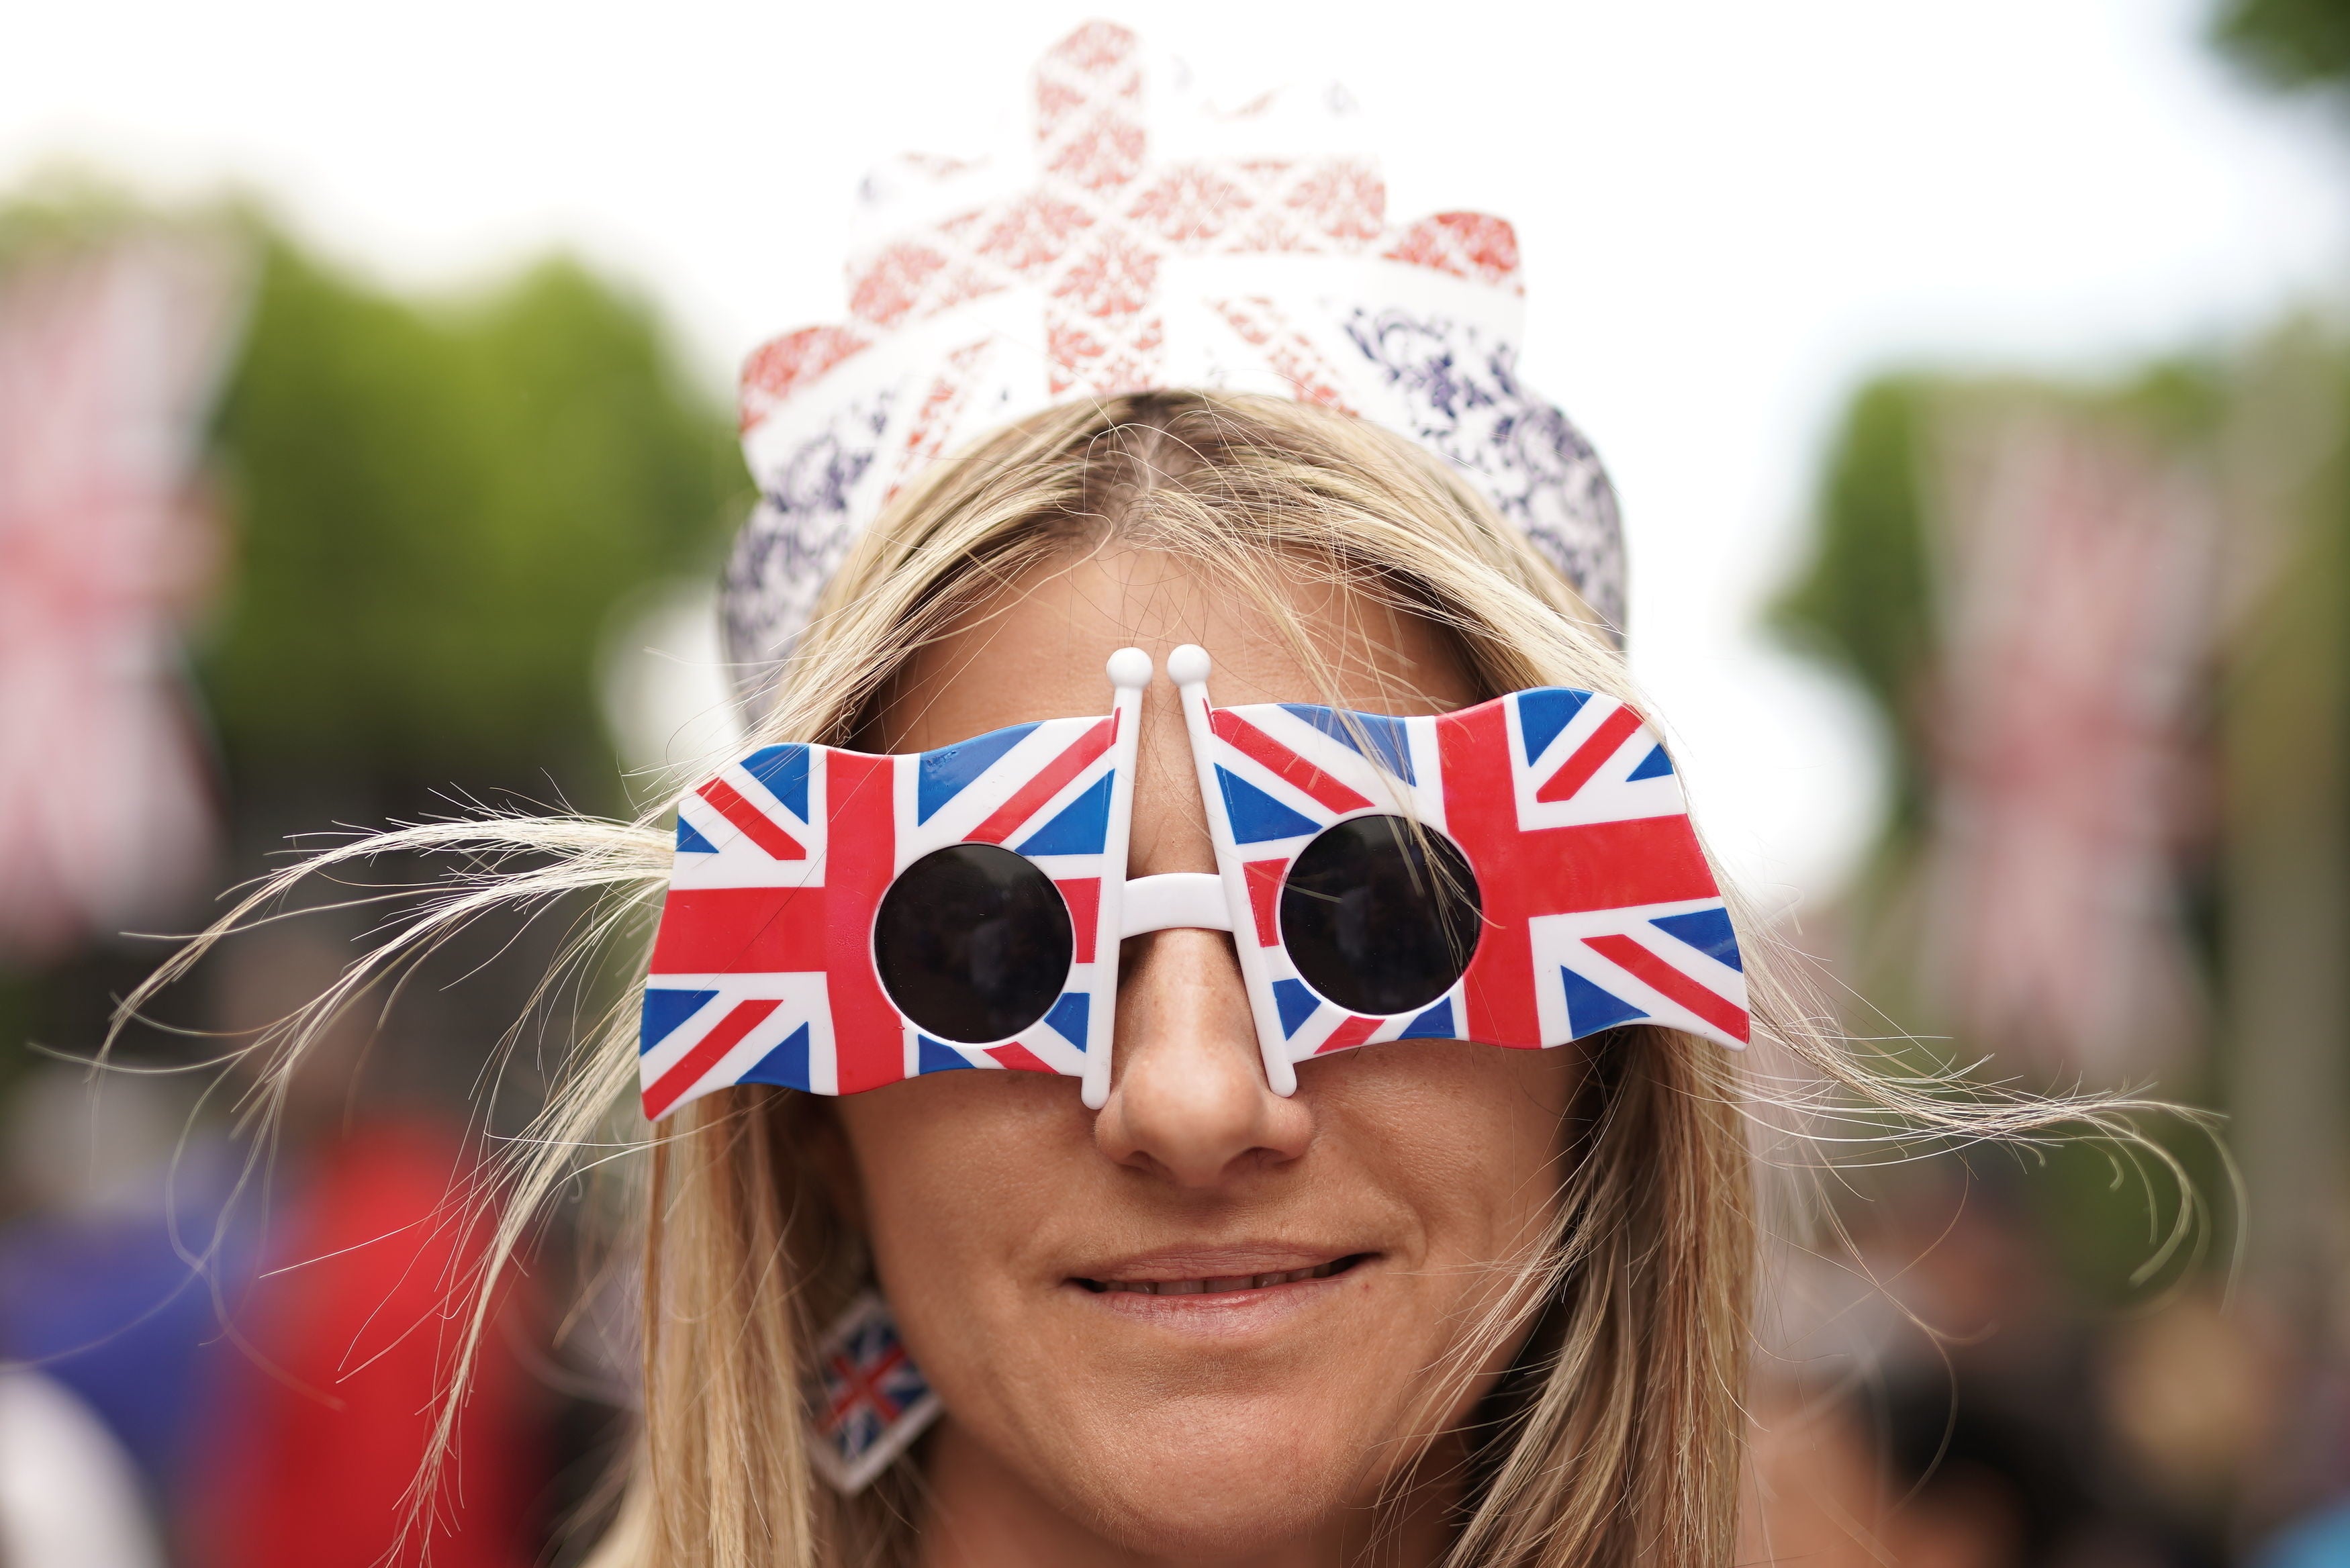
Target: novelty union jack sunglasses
1521,873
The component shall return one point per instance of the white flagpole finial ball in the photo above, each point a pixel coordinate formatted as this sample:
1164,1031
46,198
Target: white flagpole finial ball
1129,668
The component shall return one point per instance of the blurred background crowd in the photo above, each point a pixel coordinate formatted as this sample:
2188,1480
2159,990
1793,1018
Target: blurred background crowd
288,543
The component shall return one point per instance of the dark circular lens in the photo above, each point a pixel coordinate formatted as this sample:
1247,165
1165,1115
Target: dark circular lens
972,942
1379,916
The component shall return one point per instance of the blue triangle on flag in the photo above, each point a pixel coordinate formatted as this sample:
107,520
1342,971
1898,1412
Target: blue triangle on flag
943,773
1296,1002
1256,816
1436,1023
1707,930
1655,765
1069,1016
665,1009
690,841
1589,1009
1390,743
932,1057
1544,712
784,770
786,1065
1080,828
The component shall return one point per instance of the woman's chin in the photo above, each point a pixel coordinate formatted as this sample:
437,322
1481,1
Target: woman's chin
1199,1495
1208,1479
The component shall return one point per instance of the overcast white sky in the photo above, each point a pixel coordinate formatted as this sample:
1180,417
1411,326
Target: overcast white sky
1731,212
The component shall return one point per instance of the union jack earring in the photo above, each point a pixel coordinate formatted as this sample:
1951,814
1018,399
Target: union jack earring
866,1399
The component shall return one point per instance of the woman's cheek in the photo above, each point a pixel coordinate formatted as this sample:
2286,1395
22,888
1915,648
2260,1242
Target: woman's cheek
958,1171
1472,1135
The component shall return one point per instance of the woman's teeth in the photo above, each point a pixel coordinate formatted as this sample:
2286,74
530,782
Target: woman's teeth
1217,1286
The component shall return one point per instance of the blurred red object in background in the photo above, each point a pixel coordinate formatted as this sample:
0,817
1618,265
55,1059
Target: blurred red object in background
350,1342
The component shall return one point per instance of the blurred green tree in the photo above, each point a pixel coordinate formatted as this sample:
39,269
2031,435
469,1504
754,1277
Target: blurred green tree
2292,43
434,505
1864,600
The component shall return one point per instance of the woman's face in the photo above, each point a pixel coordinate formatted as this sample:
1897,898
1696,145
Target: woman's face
1206,1322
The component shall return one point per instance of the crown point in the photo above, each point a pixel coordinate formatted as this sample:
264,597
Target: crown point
1188,665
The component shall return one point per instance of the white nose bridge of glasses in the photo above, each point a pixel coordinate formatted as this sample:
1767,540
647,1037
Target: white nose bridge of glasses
1173,899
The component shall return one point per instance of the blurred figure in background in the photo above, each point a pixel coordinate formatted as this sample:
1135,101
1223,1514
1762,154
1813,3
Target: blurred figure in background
1952,1399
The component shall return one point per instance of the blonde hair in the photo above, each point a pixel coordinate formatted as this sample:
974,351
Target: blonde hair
1615,1437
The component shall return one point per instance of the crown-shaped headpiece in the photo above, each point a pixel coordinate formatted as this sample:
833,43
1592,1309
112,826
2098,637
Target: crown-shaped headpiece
1157,244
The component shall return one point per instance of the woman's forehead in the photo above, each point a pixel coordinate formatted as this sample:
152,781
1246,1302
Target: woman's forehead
1035,648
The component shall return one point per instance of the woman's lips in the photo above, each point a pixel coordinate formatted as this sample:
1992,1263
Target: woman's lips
1222,1285
1224,1277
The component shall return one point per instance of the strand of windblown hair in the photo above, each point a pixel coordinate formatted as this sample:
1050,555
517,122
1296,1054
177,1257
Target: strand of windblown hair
587,855
1831,1092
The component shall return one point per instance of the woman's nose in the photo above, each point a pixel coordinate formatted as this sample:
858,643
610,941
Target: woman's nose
1188,1098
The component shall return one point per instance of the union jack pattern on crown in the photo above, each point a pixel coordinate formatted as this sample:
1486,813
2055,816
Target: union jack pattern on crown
1123,268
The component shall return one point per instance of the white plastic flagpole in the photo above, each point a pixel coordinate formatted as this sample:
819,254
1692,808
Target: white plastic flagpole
1130,673
1188,667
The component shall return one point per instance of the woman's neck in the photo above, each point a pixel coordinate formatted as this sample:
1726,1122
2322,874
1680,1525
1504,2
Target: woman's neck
984,1515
